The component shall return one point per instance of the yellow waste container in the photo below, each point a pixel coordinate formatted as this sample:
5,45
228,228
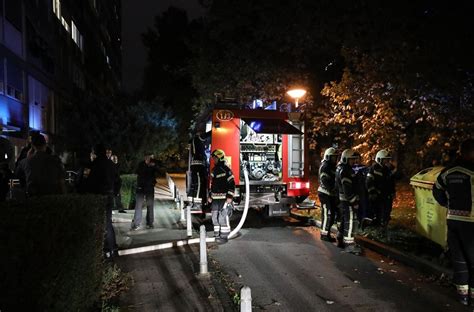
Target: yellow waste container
430,216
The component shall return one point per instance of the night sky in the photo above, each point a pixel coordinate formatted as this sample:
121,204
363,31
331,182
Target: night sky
137,16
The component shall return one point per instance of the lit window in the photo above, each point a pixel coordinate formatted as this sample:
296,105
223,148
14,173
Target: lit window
76,36
57,8
65,24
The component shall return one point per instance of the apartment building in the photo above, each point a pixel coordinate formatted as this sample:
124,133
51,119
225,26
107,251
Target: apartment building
55,53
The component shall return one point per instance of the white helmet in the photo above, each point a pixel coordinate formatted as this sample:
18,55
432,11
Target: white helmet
381,155
347,154
329,152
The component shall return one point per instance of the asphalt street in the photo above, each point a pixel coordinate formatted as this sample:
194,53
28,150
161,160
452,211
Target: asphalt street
288,268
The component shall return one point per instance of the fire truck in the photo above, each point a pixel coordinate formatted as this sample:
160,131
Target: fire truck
272,146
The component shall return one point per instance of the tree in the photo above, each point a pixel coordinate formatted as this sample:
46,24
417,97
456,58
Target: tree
128,126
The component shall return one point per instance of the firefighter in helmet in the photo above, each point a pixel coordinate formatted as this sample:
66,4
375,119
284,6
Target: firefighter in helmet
327,193
381,188
221,195
349,200
198,167
454,189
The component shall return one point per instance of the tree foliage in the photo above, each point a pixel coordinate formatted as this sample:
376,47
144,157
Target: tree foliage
128,126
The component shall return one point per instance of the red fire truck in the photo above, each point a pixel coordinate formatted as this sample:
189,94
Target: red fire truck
273,147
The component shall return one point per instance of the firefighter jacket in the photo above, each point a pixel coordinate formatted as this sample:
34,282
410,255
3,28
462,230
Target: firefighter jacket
346,182
222,183
327,178
380,182
198,151
454,189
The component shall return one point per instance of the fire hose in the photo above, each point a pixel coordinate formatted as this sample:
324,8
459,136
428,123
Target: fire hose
246,207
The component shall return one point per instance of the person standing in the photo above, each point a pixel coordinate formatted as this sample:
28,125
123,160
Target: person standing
117,187
381,188
101,180
198,168
454,189
44,173
327,193
221,196
146,180
6,160
349,200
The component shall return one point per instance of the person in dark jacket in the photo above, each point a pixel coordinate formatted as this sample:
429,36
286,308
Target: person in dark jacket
146,180
118,186
44,173
101,180
381,188
221,195
327,193
198,168
454,189
346,182
6,160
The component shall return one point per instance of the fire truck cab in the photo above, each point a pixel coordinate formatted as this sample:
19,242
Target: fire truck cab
272,146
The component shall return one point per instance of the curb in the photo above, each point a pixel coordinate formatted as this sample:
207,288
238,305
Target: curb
137,250
418,263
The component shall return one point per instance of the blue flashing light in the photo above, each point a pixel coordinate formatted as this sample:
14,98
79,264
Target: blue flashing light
257,104
256,126
272,106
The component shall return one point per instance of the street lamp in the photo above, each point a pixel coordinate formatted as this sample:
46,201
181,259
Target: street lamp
296,94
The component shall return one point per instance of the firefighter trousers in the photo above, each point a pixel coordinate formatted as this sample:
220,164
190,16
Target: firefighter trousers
220,218
461,246
329,212
349,222
382,208
199,182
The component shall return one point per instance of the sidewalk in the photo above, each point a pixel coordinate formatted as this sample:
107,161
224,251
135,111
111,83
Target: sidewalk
166,279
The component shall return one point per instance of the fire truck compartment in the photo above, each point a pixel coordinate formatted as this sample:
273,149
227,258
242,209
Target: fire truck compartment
261,147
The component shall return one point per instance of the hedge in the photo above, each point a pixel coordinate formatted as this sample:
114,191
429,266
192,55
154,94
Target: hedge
51,253
129,185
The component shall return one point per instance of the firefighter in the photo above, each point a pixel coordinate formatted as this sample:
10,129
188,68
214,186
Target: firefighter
454,189
199,169
327,193
221,195
381,188
349,200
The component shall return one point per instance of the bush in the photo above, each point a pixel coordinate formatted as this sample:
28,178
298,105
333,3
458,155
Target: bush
51,253
129,185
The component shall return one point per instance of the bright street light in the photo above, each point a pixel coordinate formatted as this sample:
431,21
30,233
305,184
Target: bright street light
296,94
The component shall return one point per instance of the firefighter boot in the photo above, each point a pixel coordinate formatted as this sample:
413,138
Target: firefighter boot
463,299
463,294
221,240
328,238
353,249
340,242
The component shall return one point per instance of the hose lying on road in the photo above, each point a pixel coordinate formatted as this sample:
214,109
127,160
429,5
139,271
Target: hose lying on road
246,207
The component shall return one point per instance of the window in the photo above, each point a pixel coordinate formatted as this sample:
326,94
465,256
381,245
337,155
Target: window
13,13
14,85
57,8
76,35
65,24
2,73
40,99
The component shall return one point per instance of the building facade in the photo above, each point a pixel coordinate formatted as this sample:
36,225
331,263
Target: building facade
55,53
